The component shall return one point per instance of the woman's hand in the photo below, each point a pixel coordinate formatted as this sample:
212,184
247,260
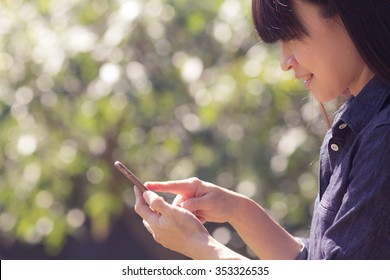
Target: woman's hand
178,229
211,203
206,201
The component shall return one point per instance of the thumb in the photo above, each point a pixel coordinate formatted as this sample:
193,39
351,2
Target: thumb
197,207
193,204
178,200
155,201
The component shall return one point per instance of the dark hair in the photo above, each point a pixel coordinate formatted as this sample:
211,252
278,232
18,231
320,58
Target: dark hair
366,21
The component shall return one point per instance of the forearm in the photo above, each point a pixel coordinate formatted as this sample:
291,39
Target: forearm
211,249
261,233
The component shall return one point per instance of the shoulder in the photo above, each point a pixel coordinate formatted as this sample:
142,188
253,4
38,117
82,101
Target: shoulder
372,144
382,118
371,150
378,127
375,138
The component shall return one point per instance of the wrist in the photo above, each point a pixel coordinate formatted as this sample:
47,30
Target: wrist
214,250
239,207
262,234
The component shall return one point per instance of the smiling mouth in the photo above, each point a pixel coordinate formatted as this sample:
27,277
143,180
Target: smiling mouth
306,82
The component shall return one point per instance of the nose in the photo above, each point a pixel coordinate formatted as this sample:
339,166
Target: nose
287,59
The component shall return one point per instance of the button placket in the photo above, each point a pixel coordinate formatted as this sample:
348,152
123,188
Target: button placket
342,126
335,147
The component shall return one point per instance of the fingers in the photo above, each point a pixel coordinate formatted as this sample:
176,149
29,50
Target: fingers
194,204
149,205
141,207
201,219
178,200
156,202
182,187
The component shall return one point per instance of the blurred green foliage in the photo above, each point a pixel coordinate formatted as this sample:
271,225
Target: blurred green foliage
172,88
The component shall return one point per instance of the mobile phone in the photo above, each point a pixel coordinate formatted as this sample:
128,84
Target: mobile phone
125,171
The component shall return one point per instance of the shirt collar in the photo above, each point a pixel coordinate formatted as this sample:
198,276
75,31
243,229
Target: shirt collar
358,111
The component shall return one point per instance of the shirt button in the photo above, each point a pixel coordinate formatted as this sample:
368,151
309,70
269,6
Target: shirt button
342,126
334,147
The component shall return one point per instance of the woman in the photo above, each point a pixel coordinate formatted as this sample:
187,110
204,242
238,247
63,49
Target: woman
337,48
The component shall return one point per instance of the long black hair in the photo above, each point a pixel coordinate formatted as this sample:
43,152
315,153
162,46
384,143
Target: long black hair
366,21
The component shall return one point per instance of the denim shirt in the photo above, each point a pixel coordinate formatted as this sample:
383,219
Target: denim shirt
351,218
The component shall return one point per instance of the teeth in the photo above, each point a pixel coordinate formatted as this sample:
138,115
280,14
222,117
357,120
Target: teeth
305,81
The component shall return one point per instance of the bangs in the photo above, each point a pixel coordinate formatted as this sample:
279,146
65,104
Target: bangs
275,20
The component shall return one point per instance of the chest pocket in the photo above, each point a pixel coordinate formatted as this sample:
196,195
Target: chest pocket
332,197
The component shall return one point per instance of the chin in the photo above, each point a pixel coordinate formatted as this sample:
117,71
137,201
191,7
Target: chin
322,98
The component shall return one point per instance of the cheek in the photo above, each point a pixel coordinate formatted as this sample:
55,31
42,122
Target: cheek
326,87
332,70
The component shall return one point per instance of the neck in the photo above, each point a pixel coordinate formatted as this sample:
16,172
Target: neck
362,80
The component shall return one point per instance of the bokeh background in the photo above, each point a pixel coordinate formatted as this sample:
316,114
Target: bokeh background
173,89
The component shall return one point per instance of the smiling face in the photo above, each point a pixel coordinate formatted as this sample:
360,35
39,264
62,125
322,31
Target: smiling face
325,59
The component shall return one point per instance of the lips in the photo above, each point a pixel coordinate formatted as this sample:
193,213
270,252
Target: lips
306,79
